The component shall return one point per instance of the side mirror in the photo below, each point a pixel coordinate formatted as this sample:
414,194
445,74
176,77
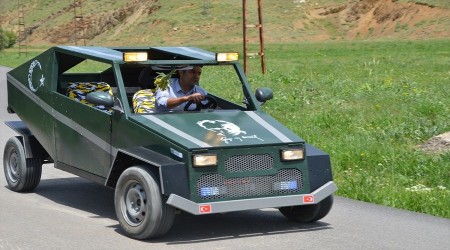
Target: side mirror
100,98
263,94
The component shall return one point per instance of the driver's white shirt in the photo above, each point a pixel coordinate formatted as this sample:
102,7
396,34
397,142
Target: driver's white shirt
174,90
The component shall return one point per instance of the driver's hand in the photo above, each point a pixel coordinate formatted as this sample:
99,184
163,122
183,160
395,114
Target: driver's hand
196,97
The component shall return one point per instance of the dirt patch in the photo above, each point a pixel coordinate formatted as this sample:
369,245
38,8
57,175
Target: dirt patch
387,18
93,25
438,144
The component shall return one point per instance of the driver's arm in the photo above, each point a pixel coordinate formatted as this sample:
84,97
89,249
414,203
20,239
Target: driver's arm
176,101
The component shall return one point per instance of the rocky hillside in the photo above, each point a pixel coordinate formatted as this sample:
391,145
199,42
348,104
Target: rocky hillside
387,18
133,22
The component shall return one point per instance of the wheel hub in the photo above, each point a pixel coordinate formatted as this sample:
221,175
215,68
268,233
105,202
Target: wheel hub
136,202
13,168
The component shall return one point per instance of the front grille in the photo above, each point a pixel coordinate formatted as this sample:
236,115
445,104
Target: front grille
242,163
216,186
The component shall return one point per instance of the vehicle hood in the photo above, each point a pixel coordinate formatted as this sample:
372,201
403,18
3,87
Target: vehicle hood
218,128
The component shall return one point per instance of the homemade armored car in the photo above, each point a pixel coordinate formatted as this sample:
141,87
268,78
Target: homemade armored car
82,108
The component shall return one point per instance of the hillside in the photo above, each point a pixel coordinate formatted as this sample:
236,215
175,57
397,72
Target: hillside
134,22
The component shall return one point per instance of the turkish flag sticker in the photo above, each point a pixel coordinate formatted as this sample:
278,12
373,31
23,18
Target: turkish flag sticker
204,209
308,198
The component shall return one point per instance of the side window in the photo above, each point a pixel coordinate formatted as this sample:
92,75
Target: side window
223,81
86,77
89,67
85,71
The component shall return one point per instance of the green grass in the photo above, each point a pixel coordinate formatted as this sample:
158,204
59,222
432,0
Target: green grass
368,104
11,58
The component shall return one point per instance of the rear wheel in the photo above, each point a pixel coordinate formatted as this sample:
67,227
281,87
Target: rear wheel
308,213
22,174
140,207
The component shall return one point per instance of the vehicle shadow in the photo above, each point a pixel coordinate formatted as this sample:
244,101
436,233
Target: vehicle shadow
80,194
189,228
94,198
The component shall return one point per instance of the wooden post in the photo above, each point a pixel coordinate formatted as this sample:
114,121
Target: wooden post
22,37
261,52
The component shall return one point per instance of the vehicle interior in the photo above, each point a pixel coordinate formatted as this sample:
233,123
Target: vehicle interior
79,76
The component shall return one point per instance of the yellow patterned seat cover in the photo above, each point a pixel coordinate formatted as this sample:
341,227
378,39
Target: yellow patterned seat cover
144,101
79,90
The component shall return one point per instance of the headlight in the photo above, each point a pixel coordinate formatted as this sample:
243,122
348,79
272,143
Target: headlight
204,160
292,154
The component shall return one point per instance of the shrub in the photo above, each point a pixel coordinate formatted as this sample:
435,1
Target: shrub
7,39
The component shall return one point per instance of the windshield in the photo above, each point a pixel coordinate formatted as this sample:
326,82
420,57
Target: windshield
218,85
223,82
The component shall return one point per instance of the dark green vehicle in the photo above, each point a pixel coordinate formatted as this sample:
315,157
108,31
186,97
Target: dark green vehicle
80,109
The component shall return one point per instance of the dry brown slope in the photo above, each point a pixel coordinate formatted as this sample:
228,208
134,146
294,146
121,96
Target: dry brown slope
373,19
387,18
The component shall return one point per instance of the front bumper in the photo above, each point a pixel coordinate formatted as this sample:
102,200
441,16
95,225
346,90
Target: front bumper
246,204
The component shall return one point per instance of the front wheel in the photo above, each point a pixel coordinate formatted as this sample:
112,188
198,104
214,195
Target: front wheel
21,174
139,205
308,213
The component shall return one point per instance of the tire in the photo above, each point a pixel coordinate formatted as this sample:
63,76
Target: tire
140,207
22,174
308,213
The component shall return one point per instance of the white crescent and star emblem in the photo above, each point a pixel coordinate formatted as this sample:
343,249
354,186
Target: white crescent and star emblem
30,76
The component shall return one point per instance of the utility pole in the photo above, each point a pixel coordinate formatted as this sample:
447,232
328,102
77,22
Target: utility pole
259,26
79,23
22,37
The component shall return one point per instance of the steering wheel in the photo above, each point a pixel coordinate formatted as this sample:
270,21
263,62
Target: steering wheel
211,103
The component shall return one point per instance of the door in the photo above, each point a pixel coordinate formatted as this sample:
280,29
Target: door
82,136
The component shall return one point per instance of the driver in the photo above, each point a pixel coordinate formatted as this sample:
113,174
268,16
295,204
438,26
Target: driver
181,90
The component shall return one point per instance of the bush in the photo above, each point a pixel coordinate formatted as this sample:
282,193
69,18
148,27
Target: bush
7,39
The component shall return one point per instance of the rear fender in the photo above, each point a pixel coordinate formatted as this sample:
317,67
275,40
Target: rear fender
32,147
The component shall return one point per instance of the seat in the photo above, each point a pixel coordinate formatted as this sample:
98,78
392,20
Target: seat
144,101
78,91
146,78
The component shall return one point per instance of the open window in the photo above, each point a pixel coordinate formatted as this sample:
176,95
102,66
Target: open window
79,76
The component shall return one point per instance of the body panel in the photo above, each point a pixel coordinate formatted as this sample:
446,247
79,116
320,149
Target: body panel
29,97
84,139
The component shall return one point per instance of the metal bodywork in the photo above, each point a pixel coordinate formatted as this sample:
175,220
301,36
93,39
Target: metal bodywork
100,145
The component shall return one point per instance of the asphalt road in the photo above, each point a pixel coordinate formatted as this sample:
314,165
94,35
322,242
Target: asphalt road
68,212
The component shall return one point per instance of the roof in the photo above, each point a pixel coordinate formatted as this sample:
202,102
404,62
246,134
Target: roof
115,54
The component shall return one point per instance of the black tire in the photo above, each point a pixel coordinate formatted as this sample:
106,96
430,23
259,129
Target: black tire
140,207
21,174
308,213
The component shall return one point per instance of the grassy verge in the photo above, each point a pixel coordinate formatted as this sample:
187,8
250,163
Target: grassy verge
368,104
11,58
